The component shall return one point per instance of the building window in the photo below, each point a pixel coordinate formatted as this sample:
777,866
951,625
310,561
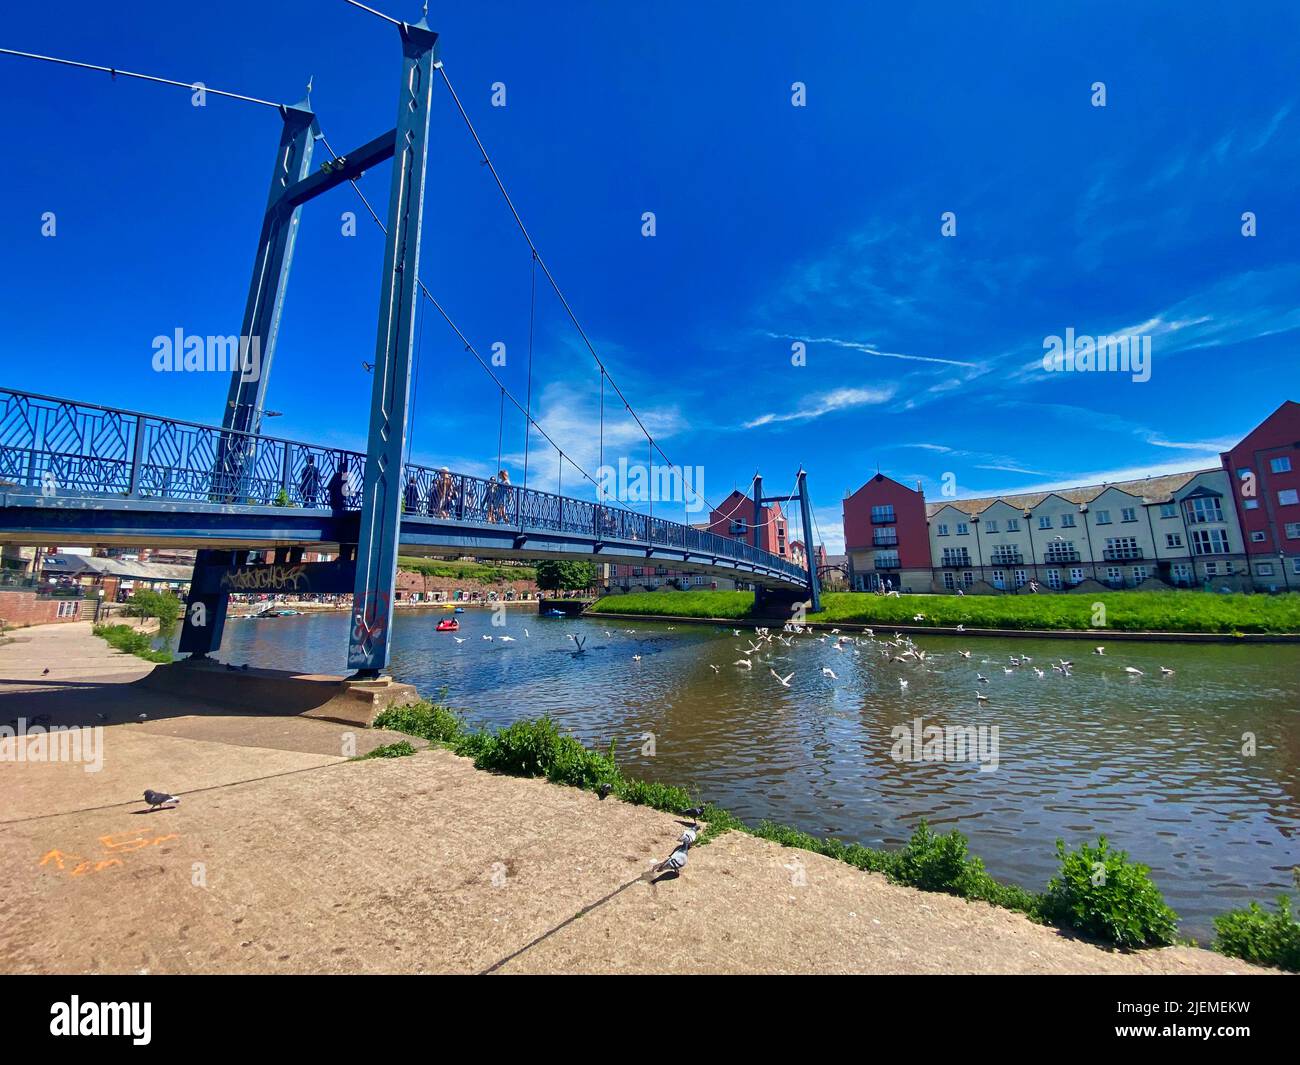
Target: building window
1061,551
1173,539
999,579
1103,517
1045,522
1258,538
1005,555
956,556
1280,465
1067,521
739,528
991,526
886,560
1128,514
1021,578
1168,510
949,581
962,528
1251,504
1054,579
1121,547
1013,525
943,530
1114,576
1076,574
1295,565
1293,530
1265,569
1209,542
968,578
883,515
1139,574
1288,497
1211,569
1203,509
1182,573
1244,474
68,609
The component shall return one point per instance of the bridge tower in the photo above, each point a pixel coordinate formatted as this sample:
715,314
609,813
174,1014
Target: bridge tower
373,541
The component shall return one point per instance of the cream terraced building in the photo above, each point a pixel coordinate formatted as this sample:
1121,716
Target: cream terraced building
1180,529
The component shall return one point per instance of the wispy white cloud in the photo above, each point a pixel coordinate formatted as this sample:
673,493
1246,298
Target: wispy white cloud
871,349
838,399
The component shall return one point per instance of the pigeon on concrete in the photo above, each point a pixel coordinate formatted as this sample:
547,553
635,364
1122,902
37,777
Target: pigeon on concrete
156,799
675,862
693,812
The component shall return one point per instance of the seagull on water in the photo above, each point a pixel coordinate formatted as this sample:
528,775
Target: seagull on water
1165,671
981,678
460,639
743,663
980,697
785,681
829,673
1099,650
1133,672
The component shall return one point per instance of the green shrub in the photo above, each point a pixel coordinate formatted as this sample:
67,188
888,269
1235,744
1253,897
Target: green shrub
430,721
538,749
400,749
1100,893
1259,936
127,640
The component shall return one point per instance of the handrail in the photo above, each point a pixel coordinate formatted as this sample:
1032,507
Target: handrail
94,450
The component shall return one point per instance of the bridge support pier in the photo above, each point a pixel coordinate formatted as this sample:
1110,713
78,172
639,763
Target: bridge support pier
205,612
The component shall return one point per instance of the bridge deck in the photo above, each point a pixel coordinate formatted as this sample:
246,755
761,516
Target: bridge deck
77,473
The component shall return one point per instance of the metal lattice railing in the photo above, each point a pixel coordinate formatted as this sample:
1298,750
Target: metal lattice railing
58,447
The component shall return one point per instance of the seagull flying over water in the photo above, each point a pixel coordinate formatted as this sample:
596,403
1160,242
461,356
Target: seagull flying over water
785,681
829,673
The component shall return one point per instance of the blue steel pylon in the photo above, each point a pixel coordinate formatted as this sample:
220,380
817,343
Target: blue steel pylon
291,187
381,506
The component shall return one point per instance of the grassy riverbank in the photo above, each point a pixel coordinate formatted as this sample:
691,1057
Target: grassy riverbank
478,572
1123,907
1174,611
132,641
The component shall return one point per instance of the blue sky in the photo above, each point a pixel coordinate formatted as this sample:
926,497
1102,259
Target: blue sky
775,223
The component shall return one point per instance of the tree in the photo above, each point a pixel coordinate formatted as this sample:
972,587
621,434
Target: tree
145,603
554,576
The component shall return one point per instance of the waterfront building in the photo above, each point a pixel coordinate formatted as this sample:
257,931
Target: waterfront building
1233,526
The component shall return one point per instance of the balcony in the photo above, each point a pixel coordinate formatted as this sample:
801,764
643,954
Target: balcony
1057,557
886,564
955,561
886,517
1007,558
885,539
1121,554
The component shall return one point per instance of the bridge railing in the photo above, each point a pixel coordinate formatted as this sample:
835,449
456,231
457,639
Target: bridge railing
57,447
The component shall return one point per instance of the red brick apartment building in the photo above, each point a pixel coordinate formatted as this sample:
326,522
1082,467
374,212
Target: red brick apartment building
1265,470
1173,530
885,537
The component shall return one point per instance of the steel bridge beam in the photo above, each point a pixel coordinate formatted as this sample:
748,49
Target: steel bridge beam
372,605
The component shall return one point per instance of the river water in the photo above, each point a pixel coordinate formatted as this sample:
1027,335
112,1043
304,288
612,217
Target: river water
1155,762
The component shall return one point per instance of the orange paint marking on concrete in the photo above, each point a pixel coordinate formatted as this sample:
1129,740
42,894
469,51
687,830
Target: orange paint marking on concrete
111,843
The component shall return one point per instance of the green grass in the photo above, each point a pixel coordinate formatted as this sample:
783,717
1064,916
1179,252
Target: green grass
126,639
1173,611
1119,905
400,749
477,572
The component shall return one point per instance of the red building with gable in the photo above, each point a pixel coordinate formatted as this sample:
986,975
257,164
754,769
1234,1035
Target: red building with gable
1265,472
886,537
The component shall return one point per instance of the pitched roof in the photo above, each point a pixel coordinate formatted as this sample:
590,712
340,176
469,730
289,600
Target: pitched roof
1149,489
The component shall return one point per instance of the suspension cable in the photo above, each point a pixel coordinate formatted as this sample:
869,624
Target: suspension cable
487,160
115,73
528,414
470,347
